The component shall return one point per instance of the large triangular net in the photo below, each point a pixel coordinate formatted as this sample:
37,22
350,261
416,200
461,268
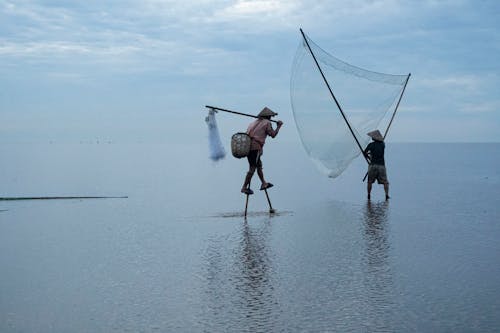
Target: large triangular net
368,100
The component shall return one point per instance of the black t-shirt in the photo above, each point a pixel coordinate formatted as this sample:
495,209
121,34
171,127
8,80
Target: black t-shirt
376,150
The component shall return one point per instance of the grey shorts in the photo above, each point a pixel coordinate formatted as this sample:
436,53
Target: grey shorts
377,172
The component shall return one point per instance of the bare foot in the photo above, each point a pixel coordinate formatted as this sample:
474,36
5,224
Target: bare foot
246,191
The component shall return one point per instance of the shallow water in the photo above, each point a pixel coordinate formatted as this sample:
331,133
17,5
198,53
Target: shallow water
178,255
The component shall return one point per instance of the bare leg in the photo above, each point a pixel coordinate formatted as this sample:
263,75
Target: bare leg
248,178
261,175
386,189
369,189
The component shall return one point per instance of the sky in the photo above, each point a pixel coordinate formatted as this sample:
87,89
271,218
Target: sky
142,71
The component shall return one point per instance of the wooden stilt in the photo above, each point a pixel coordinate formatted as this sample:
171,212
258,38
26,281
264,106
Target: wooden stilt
271,209
246,203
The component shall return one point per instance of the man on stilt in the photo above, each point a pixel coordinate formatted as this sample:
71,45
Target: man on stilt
258,130
374,152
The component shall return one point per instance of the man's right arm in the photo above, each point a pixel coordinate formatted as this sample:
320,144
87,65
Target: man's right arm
366,152
271,132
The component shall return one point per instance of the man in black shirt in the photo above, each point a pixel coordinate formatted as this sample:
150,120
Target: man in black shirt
376,169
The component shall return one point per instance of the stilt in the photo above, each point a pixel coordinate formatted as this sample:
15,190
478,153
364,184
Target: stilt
271,209
246,203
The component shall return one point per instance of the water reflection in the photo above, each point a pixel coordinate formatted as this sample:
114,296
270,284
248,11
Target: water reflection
255,284
375,234
378,277
239,281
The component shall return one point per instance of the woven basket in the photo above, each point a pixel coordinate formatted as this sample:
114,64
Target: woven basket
240,145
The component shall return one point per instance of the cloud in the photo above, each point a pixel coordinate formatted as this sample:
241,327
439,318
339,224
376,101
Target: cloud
418,129
148,35
480,107
61,48
462,83
127,26
258,11
241,51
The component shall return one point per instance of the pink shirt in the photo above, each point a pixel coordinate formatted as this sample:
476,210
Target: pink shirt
258,131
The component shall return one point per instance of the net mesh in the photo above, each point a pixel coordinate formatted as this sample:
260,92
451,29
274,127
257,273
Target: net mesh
367,98
216,149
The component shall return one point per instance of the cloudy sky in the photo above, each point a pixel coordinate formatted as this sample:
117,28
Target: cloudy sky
143,70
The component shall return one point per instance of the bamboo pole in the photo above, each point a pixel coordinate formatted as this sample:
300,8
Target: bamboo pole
332,94
235,112
397,105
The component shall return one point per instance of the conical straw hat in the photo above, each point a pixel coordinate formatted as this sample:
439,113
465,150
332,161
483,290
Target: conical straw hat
376,135
267,112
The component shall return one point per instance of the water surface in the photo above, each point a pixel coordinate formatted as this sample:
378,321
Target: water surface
177,254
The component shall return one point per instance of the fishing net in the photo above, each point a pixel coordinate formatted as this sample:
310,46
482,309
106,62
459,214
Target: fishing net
216,149
368,100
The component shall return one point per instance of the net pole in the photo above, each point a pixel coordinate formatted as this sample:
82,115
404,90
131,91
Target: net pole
397,105
235,112
333,95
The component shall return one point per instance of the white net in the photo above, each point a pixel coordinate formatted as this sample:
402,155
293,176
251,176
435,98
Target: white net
216,149
366,98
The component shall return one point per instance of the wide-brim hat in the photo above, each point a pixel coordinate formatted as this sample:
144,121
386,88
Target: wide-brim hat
267,112
376,135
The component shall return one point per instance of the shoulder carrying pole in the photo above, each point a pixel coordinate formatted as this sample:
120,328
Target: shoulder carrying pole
235,112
